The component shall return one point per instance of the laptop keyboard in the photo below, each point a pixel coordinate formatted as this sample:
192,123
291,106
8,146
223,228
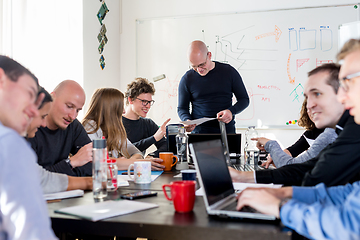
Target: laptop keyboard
232,207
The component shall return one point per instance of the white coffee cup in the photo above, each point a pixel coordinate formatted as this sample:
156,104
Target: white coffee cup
142,172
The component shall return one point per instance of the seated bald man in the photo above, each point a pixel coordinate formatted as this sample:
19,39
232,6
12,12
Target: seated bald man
63,146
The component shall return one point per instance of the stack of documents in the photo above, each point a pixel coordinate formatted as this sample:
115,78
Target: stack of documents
107,209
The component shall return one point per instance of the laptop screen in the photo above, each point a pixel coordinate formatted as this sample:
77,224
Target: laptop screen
234,140
216,179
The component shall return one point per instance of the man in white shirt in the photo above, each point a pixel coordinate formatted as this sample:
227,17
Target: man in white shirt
23,212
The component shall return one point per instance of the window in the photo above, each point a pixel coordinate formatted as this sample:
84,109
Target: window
46,36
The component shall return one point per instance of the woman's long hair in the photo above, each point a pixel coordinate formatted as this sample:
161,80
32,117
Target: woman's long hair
304,120
106,108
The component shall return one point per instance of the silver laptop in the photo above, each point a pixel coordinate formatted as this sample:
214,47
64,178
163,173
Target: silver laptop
237,166
214,176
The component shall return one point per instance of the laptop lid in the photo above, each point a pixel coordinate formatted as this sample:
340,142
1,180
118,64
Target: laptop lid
233,139
215,179
211,165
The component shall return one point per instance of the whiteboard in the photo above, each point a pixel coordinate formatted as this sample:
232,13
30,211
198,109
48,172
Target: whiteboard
273,51
348,31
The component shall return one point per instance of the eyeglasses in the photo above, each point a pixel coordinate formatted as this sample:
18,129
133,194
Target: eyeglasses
345,82
201,65
146,102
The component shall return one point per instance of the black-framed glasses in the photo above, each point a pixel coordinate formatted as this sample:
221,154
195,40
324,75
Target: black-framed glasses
201,65
146,102
345,82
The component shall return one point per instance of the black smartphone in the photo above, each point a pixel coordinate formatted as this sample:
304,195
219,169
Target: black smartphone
137,195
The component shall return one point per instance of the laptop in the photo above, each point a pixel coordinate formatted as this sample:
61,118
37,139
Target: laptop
233,139
214,177
227,154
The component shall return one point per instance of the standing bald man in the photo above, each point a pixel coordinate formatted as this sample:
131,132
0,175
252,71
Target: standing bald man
209,87
64,134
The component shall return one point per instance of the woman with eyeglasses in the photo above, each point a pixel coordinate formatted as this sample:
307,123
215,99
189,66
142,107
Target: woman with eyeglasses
103,118
142,131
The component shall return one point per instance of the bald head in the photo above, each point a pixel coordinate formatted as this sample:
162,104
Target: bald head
68,85
197,49
69,98
200,58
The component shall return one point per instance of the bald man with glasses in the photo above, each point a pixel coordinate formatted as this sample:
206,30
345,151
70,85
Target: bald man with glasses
209,87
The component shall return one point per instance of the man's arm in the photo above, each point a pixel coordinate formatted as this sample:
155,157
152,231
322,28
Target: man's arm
51,181
323,219
83,183
239,90
184,101
289,175
82,150
341,160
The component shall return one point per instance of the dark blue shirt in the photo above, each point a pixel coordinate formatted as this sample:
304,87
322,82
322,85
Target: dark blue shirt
211,94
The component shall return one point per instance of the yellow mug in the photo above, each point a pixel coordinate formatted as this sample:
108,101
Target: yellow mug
168,161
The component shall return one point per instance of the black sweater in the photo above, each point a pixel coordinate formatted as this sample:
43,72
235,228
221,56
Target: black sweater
54,147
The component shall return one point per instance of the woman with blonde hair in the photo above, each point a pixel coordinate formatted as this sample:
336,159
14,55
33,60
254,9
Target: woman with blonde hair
104,119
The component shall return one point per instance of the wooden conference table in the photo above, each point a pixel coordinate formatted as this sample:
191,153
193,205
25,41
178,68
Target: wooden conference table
162,222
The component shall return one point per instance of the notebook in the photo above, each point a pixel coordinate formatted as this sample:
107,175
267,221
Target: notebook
214,177
63,195
107,209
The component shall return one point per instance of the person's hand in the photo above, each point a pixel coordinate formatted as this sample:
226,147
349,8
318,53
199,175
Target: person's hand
259,199
160,133
82,157
237,176
83,183
224,116
261,141
268,161
156,164
287,152
189,128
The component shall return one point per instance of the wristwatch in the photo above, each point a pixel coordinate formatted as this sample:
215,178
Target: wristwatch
68,162
282,203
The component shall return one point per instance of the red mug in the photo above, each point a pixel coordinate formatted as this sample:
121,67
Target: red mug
182,194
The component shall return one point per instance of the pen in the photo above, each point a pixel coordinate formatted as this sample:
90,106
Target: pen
54,200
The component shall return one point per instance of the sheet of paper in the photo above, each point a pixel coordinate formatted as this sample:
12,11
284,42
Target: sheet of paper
62,195
107,209
197,121
122,180
241,186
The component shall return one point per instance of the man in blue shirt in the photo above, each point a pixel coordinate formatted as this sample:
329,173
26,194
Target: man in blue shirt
23,212
319,212
208,87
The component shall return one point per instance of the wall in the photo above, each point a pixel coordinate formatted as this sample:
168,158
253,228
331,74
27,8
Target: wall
143,9
94,77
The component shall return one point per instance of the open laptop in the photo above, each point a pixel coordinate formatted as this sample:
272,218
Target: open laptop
214,177
233,139
227,154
